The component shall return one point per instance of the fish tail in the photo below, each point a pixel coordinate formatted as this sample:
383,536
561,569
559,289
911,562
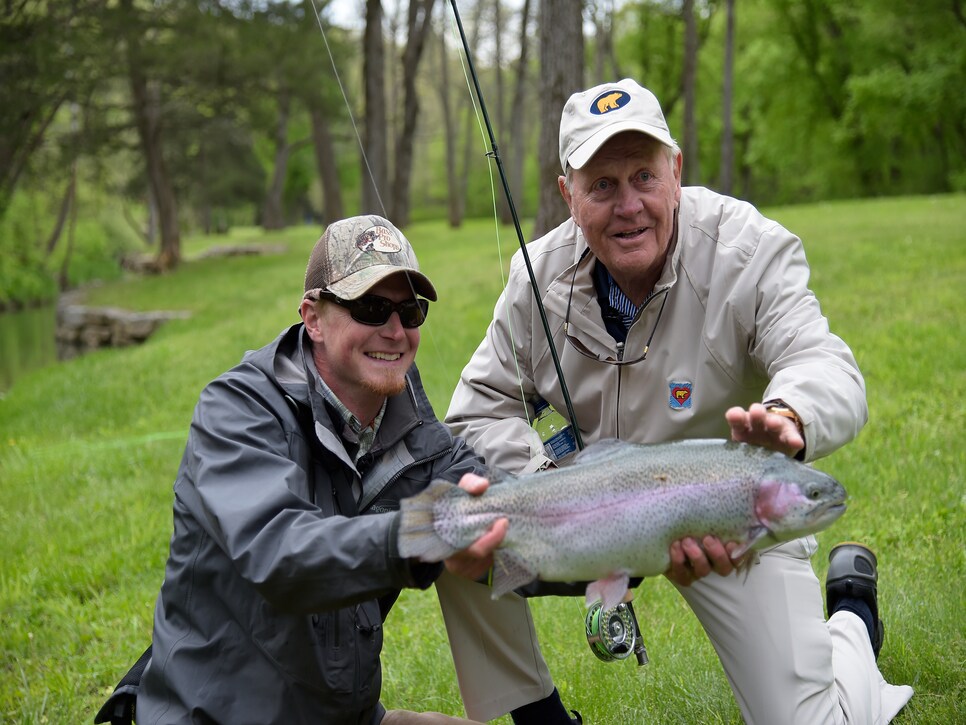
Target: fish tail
417,538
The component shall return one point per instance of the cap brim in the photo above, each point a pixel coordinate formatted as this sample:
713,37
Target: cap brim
356,285
583,153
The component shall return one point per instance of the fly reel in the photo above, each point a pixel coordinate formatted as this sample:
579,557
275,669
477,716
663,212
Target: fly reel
611,633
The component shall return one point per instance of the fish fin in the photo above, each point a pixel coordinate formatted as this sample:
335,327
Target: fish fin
417,537
755,534
609,591
510,570
604,448
745,566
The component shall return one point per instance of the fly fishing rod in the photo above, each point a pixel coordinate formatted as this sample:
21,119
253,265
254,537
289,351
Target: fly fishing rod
614,633
495,155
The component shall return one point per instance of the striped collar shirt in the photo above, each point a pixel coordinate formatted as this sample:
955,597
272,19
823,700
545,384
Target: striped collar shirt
620,302
365,435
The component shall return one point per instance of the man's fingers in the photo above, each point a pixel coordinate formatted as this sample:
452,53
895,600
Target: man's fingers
485,545
474,484
697,560
718,556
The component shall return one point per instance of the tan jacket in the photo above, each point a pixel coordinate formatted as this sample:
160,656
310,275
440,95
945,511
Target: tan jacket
740,326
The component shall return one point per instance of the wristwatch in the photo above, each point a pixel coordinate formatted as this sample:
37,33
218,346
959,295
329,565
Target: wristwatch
778,407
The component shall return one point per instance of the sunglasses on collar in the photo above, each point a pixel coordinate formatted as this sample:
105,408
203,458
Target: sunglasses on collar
375,310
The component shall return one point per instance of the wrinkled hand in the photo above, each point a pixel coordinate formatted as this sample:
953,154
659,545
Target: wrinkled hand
761,428
476,559
691,561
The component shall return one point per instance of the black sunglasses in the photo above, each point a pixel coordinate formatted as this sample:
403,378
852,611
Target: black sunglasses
375,310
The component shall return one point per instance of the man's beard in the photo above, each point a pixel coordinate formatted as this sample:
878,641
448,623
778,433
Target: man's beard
387,385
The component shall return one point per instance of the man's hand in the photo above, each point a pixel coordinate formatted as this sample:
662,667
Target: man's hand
761,428
691,561
476,559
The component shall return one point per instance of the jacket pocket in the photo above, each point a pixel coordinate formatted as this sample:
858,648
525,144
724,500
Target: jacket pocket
334,653
348,644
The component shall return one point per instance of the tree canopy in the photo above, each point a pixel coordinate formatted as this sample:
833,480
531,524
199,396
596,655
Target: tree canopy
212,112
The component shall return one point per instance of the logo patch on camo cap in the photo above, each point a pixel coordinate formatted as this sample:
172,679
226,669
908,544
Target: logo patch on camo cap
378,239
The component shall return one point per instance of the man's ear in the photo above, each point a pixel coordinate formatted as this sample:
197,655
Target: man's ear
564,191
312,317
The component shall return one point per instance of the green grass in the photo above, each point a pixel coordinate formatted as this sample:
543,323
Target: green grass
89,448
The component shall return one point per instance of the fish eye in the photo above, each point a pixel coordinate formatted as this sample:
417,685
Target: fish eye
814,493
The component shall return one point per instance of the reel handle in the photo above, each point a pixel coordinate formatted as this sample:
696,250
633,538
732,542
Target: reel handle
640,651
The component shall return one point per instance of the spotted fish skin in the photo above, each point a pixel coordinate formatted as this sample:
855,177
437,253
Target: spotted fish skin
613,513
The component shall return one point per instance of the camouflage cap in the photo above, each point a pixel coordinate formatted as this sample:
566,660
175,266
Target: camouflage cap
591,117
355,254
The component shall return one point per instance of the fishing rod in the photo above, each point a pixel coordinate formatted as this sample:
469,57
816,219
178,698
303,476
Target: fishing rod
615,633
495,155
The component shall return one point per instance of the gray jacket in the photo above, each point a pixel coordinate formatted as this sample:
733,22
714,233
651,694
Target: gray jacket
275,590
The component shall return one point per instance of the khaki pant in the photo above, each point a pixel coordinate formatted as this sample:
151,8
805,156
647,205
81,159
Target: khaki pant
499,666
785,663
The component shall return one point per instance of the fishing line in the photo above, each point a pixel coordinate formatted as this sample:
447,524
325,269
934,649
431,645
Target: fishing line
480,124
495,154
345,98
597,622
365,158
73,447
496,220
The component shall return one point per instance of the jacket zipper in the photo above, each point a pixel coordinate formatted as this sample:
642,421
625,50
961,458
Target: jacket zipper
620,377
398,474
620,358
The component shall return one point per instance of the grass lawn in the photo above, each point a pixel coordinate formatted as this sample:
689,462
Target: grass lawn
89,449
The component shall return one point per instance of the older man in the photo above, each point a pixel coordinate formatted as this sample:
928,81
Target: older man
677,313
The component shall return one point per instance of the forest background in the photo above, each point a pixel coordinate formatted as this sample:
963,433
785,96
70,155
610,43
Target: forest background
128,126
125,125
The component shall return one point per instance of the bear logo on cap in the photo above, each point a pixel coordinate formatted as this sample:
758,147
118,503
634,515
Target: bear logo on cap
609,101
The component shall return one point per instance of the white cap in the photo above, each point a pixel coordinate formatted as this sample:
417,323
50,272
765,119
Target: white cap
591,117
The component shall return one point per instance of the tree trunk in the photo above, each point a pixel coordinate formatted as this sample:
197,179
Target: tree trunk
273,213
16,152
689,83
154,226
470,131
63,277
418,24
374,153
332,207
561,73
502,204
66,205
454,210
146,109
727,85
518,129
606,66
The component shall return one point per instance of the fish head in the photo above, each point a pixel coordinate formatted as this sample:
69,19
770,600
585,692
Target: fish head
795,500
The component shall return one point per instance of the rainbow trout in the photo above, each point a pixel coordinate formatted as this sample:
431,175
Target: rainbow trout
613,513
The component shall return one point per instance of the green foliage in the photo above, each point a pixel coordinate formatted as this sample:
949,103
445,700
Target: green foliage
831,100
29,275
89,448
